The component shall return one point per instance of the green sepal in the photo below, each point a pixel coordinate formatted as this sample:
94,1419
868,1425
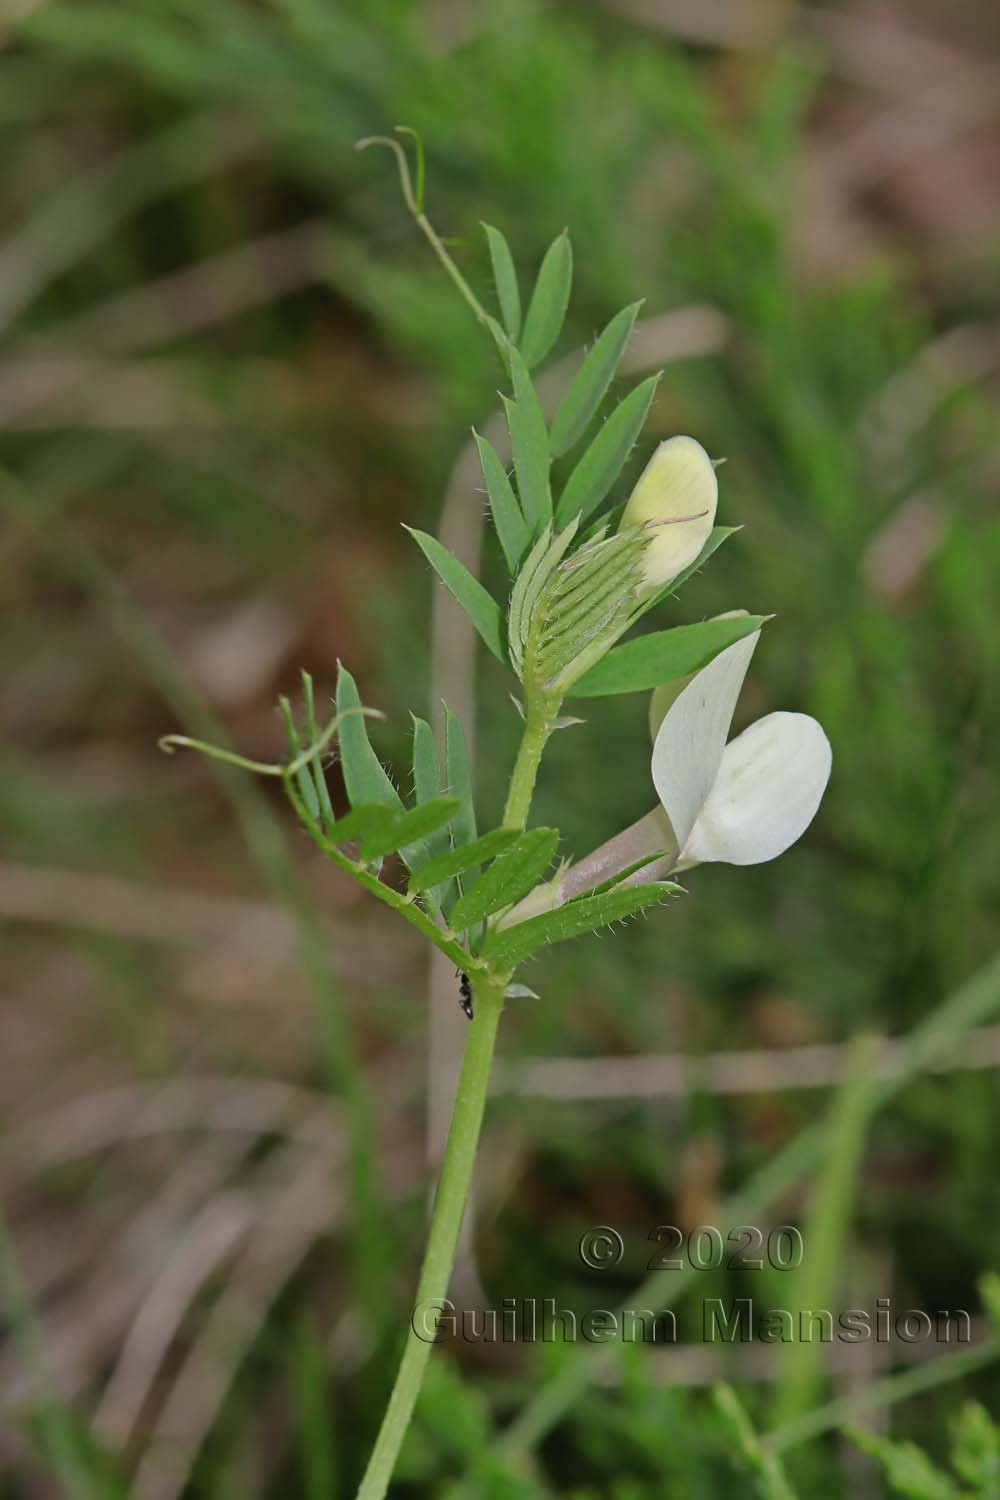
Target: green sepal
539,566
587,605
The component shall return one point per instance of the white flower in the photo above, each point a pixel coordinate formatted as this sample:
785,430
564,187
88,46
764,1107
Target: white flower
745,802
675,499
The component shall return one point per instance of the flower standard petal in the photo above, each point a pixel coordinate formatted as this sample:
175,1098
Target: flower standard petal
668,692
689,744
770,784
675,499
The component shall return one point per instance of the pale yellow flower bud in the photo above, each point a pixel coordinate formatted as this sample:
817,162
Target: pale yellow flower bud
675,500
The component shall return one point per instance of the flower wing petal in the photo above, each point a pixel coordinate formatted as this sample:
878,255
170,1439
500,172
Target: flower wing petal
687,751
770,784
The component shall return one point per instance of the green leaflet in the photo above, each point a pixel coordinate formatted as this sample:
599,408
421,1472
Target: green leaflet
459,784
455,861
480,605
426,787
364,775
507,516
591,381
549,301
367,820
408,828
319,780
382,830
605,458
304,776
508,878
716,537
426,783
529,446
620,876
505,281
512,945
643,664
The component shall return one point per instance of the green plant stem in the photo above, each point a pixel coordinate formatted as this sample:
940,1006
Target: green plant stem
458,280
539,722
446,1222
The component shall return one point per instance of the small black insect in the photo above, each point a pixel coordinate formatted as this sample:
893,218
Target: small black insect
464,993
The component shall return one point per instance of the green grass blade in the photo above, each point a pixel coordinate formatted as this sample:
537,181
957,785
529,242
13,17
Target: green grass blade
974,1003
505,281
590,383
877,1395
480,605
549,301
310,1393
511,945
365,777
663,656
605,458
826,1230
507,516
529,442
456,861
508,878
771,1481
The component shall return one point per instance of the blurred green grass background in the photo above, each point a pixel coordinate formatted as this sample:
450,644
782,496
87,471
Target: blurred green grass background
229,371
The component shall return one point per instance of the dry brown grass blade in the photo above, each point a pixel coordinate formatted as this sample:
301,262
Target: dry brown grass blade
170,914
750,1072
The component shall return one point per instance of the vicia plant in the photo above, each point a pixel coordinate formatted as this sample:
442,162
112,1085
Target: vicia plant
582,576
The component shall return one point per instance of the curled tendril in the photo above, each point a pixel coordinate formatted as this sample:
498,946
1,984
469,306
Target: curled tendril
412,195
418,151
168,743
